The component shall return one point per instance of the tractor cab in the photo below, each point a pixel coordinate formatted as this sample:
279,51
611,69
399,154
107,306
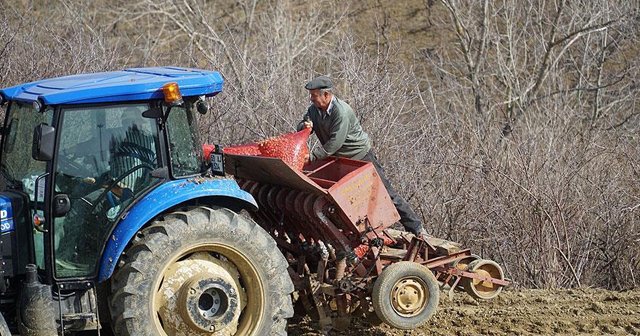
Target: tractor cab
77,154
75,169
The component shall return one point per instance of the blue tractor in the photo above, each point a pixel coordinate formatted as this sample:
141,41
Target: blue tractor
112,220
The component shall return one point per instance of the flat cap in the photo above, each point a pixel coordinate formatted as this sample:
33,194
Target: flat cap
320,82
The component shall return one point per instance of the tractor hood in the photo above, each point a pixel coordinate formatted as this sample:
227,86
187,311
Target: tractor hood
116,86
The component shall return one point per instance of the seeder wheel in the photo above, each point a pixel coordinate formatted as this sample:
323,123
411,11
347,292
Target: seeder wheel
463,264
405,295
480,289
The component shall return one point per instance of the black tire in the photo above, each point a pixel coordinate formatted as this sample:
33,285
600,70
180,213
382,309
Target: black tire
201,262
4,328
410,310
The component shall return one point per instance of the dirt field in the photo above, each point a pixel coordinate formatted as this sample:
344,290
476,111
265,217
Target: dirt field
526,312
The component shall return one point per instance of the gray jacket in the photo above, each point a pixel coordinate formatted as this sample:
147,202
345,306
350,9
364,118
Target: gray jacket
339,132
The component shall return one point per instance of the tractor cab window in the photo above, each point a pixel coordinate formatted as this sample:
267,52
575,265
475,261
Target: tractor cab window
184,146
18,170
105,157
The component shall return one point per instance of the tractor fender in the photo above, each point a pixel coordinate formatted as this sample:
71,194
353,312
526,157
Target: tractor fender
159,200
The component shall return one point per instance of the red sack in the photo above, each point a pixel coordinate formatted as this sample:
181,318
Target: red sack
207,149
247,149
291,148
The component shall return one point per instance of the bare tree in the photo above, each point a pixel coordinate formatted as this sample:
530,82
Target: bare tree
528,87
262,48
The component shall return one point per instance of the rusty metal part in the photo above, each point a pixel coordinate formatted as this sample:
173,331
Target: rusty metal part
458,281
358,193
418,250
463,264
332,308
343,319
321,214
322,306
351,186
481,276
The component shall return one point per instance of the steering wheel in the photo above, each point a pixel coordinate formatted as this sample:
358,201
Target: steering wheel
113,183
69,166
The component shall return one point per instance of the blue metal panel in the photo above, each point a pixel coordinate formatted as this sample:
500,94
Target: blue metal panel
159,200
117,86
6,215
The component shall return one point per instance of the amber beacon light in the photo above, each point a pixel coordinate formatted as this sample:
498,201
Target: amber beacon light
171,93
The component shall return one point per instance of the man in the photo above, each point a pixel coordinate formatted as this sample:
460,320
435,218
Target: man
336,126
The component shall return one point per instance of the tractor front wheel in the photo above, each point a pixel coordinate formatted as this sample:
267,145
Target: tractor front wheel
202,271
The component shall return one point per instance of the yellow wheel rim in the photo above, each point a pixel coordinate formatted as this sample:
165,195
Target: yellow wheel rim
208,280
409,296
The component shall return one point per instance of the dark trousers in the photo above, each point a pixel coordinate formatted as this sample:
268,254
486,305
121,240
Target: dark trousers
408,217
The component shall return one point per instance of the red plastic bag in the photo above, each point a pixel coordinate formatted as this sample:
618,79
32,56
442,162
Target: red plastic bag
291,148
247,149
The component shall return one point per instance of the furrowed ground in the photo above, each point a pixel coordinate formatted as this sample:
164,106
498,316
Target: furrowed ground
517,312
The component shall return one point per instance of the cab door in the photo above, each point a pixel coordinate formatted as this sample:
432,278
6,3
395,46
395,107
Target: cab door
104,161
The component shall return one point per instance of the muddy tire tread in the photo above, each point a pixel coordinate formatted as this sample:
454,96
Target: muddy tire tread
131,281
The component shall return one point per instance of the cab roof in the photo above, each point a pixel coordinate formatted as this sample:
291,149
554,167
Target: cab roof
116,86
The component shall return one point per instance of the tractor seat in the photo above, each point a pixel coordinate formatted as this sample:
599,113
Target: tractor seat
135,151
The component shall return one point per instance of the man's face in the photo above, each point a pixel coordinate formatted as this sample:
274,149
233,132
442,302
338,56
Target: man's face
320,99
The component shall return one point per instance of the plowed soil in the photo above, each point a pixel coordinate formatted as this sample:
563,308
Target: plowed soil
515,312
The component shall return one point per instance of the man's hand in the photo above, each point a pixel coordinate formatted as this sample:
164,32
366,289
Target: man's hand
89,180
307,124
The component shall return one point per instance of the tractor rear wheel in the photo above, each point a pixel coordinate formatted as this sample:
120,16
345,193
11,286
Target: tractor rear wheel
202,271
405,295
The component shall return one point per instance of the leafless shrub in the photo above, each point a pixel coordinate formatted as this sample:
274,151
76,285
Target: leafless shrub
537,175
57,42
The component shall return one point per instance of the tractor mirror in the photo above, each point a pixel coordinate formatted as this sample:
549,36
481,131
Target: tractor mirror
43,142
202,106
153,113
61,205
